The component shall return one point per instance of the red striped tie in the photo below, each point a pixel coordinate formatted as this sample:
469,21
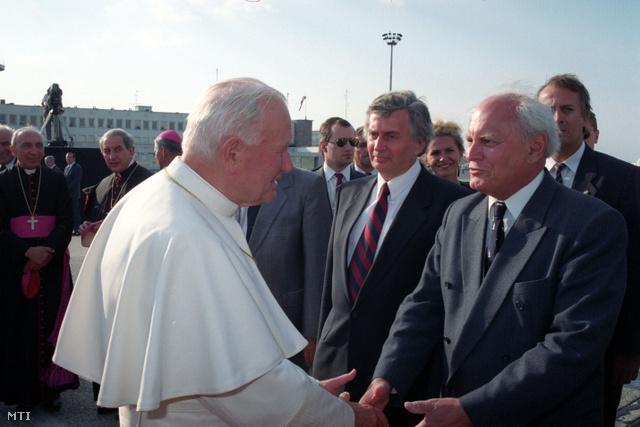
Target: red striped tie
366,249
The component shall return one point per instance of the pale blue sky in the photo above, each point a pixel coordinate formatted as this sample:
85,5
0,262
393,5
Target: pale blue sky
164,53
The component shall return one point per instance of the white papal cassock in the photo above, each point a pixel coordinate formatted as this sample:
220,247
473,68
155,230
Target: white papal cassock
172,317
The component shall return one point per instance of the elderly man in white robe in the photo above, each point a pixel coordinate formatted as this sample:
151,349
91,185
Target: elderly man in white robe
170,313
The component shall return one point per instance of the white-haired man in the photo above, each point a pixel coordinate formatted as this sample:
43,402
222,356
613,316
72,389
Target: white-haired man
171,314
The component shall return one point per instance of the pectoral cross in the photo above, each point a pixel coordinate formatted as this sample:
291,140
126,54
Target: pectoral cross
32,221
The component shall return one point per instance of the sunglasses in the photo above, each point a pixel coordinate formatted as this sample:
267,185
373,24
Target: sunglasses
343,141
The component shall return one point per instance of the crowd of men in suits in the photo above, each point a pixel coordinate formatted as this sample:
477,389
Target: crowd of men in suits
513,305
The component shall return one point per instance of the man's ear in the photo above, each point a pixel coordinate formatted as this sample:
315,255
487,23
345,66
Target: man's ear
323,146
231,153
537,147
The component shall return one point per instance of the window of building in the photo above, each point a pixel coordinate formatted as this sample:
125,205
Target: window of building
136,140
92,122
33,121
180,124
72,122
91,139
172,125
23,119
145,140
136,124
110,123
12,119
119,123
128,124
163,125
83,122
100,123
82,138
154,125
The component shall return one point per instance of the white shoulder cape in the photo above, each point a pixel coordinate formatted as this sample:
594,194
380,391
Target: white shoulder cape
167,304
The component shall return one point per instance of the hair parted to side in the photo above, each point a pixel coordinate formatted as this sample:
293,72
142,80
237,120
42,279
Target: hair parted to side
420,124
533,117
451,129
572,83
126,136
231,108
19,132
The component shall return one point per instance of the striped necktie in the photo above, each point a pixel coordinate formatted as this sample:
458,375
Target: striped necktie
559,168
367,244
497,232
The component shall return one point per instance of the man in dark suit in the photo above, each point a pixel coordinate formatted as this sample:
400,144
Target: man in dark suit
7,159
523,285
73,174
337,143
289,241
50,161
355,326
617,183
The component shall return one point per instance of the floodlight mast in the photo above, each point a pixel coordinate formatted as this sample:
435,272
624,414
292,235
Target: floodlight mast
392,39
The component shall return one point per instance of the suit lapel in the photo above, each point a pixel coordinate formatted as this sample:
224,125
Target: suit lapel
268,213
345,222
586,174
518,247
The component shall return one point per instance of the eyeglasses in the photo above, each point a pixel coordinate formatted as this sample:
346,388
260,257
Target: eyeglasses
343,141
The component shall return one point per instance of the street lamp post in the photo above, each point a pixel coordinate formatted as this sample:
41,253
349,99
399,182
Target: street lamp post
392,39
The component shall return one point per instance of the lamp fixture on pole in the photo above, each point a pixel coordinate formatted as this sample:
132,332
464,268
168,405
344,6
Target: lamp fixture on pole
392,39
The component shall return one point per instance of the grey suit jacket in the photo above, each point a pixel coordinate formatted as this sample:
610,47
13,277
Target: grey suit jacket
289,242
352,336
524,344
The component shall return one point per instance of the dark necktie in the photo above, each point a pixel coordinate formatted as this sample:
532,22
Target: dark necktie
367,173
339,178
2,167
497,232
252,214
559,168
366,248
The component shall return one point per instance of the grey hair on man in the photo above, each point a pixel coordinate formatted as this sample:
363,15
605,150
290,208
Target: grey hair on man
126,137
229,108
419,118
21,131
534,117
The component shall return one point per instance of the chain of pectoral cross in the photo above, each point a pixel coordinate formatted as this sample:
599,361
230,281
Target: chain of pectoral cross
32,212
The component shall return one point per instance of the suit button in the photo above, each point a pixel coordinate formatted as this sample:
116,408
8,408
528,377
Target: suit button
354,314
447,340
447,285
519,305
505,358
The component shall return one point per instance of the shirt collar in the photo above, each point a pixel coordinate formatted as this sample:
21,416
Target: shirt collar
572,162
329,173
516,203
400,183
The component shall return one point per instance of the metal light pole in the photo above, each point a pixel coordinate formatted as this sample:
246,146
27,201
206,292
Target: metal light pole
392,39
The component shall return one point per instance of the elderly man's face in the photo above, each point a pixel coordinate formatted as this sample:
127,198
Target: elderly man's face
116,154
391,149
262,165
496,154
29,149
5,147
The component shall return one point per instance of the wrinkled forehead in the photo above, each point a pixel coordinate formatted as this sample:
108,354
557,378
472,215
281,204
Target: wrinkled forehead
29,137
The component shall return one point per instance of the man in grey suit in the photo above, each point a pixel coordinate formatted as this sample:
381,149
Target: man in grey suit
523,285
289,238
337,143
354,327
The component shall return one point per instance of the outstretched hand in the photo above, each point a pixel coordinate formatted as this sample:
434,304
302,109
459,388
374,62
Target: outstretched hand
333,384
443,412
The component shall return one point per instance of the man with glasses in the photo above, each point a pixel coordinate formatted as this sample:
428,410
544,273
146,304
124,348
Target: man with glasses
363,287
337,143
